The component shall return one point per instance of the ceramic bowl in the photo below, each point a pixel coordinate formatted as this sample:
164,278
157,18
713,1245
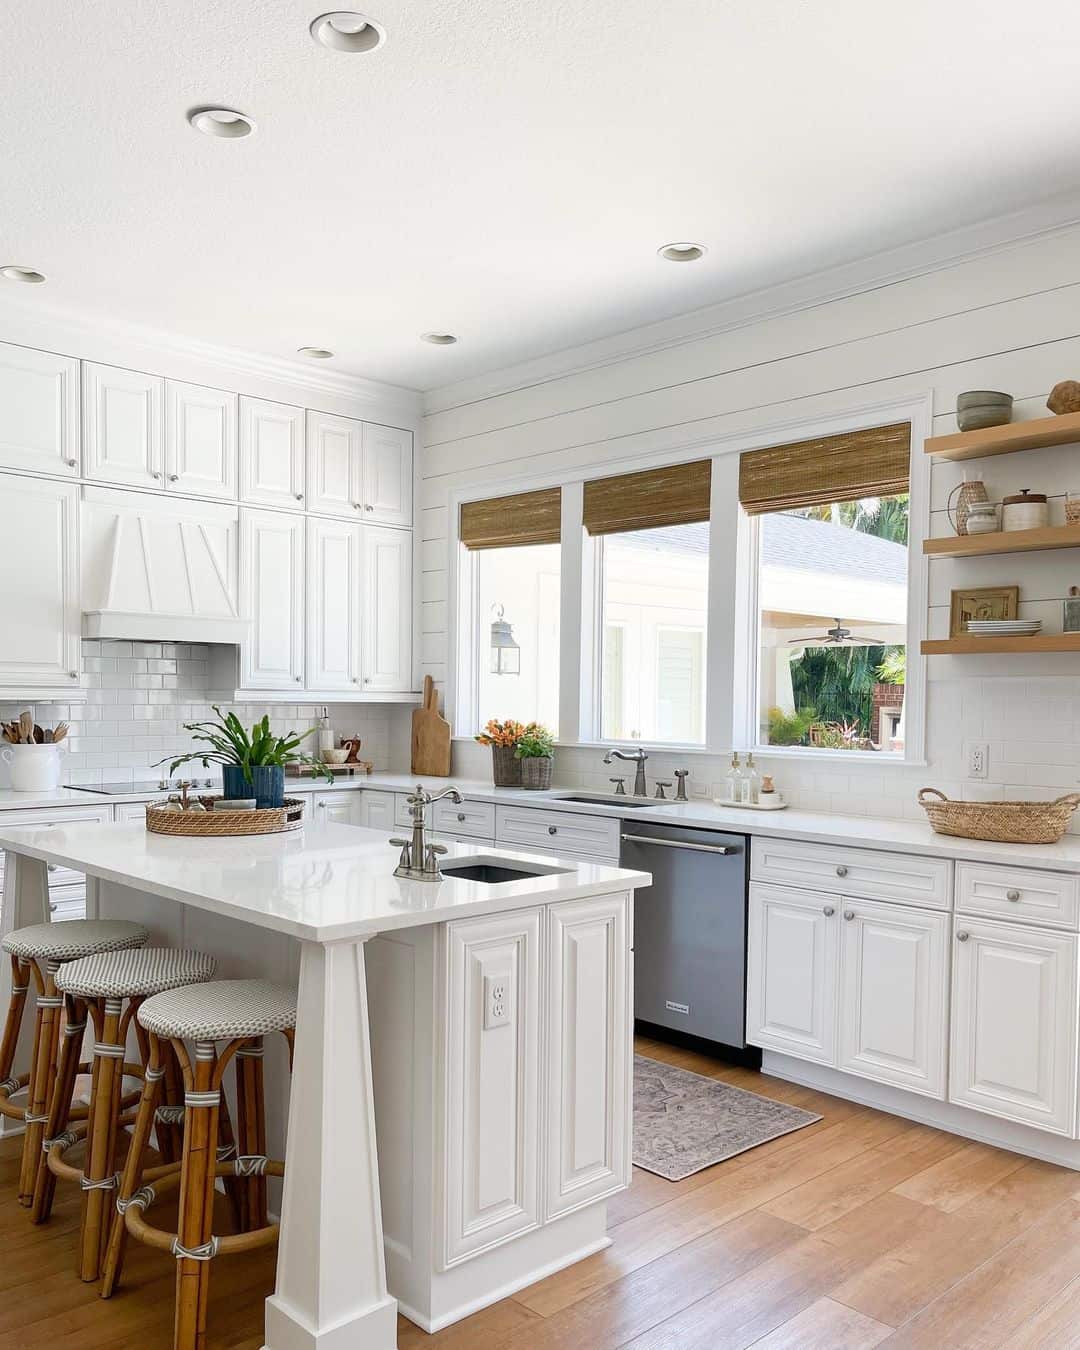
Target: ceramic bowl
983,415
338,756
977,398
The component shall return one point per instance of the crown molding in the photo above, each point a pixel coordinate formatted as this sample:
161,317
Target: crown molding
817,288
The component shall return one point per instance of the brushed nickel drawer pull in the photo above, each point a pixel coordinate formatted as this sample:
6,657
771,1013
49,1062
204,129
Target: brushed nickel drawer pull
841,871
1012,895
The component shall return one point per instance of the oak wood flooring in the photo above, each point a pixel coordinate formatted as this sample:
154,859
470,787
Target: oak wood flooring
861,1230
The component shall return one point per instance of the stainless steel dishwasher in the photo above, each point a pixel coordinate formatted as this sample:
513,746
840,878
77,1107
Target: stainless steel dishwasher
690,931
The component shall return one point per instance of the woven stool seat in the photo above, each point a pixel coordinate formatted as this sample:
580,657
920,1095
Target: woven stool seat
134,973
74,939
220,1010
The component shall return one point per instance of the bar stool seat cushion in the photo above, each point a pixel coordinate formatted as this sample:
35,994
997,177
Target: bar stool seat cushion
135,973
220,1010
76,938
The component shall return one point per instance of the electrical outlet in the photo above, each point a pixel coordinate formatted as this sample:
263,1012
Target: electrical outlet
496,1001
978,759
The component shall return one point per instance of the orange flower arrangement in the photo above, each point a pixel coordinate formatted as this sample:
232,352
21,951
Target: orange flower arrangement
506,734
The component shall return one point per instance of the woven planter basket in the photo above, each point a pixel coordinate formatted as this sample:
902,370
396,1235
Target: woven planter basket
536,772
505,769
1000,822
216,824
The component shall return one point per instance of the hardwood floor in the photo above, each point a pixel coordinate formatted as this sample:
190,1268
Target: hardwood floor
861,1230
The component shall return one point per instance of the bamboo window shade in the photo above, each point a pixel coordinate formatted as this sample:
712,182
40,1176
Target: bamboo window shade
872,462
677,494
506,522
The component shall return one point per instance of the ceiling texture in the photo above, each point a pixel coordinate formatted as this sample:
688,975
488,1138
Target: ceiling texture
501,169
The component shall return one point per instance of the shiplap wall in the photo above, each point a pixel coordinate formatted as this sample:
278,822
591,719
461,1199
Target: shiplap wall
1009,319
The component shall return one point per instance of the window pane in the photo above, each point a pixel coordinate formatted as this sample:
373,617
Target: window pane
832,591
654,597
525,583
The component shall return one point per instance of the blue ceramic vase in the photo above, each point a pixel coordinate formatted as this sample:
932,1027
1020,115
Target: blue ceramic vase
267,784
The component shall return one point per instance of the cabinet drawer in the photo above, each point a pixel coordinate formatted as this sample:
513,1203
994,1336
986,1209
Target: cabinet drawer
853,871
401,809
1049,898
557,831
469,818
67,902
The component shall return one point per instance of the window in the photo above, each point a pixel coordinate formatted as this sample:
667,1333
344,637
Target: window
520,587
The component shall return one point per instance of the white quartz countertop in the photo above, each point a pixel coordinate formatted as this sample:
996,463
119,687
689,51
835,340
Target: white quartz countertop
324,883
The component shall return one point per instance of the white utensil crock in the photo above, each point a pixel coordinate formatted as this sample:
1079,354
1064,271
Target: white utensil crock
34,768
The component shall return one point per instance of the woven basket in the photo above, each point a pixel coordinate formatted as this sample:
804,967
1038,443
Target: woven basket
216,824
1000,822
505,769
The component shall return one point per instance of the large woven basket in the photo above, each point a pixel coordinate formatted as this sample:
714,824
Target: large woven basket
216,824
1000,822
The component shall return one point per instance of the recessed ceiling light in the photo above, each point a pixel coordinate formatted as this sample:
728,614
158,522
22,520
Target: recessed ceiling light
13,273
682,252
315,353
439,339
344,31
223,122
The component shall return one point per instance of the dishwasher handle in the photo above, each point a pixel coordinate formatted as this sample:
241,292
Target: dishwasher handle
677,843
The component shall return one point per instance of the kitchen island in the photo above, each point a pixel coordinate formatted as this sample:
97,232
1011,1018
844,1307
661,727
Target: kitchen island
485,1023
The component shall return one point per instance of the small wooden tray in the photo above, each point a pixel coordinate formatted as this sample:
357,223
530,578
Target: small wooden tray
216,824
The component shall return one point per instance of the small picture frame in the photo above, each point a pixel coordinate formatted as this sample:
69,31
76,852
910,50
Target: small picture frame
1070,611
987,602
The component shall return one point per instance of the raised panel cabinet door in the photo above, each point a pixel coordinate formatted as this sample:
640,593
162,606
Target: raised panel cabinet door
794,942
335,460
589,1067
377,810
1014,1023
39,410
334,808
894,995
333,605
123,426
41,628
272,597
388,469
200,440
272,455
388,616
491,1082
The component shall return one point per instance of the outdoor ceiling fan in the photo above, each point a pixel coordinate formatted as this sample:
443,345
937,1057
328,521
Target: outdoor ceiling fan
836,637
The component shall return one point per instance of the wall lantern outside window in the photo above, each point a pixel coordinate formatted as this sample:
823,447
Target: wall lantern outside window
505,653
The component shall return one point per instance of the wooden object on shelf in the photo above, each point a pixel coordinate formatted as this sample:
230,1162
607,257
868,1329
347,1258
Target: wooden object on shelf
1000,822
430,736
1004,541
967,645
270,820
1033,435
981,602
1064,397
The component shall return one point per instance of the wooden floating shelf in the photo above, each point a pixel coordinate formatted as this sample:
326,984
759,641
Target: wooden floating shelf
1033,435
974,646
1003,541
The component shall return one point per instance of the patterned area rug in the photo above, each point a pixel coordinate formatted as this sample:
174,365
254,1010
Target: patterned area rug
684,1122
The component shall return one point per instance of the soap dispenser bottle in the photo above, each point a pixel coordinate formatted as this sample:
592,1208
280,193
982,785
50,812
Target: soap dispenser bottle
326,734
751,782
733,782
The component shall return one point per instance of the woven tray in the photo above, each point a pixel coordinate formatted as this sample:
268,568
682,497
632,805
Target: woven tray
1000,822
270,820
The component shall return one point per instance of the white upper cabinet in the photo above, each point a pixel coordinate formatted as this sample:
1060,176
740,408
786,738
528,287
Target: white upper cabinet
200,440
387,610
39,411
387,477
123,426
272,460
335,465
334,565
272,597
40,634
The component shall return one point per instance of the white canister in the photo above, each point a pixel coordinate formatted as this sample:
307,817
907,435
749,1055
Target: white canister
1026,511
982,518
34,768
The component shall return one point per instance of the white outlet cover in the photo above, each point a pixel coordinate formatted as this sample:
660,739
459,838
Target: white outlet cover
496,1001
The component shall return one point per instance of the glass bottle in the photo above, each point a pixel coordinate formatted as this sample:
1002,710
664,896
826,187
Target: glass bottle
751,782
733,782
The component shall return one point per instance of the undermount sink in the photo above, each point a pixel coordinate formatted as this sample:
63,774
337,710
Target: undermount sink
496,871
598,799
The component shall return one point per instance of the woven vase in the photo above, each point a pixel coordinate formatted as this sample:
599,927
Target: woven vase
536,772
505,769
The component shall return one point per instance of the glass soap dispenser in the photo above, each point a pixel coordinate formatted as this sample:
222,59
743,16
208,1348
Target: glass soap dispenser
751,782
734,780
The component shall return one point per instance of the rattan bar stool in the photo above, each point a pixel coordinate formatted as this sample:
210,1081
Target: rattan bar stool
38,952
103,984
241,1013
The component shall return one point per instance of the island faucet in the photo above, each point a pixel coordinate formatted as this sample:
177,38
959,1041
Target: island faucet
419,860
637,757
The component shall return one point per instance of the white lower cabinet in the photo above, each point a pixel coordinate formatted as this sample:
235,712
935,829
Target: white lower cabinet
337,808
1014,1023
794,941
376,809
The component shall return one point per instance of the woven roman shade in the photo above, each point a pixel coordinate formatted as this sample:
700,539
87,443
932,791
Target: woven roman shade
504,522
675,495
869,463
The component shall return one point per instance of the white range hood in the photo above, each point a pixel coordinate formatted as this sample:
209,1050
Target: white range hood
157,570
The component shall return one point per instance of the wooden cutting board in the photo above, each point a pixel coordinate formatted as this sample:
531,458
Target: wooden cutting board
430,736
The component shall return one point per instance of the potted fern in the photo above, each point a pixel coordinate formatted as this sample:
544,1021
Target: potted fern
536,750
252,763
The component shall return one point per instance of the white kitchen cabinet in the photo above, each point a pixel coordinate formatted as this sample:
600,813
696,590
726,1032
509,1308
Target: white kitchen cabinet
126,812
1014,1023
123,426
334,619
337,808
200,440
272,597
387,610
39,580
893,1003
335,481
491,1109
272,455
376,809
387,475
39,411
794,940
589,1075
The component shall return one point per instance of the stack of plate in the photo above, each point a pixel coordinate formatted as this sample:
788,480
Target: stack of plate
1003,627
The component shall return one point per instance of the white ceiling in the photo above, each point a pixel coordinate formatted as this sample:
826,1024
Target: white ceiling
502,169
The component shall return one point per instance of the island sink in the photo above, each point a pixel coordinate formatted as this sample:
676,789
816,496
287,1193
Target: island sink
494,871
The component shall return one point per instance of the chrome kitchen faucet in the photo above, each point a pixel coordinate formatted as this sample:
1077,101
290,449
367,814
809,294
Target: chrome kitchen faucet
419,860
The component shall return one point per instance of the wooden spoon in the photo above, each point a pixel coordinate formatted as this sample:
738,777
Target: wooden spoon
26,728
59,732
